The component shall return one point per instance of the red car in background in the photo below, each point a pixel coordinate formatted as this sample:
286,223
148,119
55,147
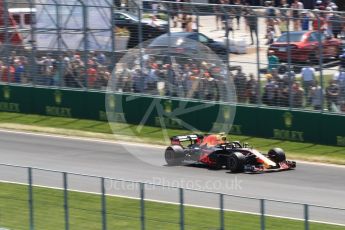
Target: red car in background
304,46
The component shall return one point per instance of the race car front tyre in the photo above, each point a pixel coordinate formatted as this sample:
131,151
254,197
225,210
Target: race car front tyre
174,155
277,155
236,162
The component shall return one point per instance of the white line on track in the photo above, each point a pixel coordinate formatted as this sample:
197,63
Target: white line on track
98,140
174,203
89,139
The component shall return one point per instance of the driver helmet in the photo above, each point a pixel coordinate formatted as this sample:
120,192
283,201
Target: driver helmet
222,137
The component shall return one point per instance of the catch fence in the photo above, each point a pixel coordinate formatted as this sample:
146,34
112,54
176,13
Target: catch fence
47,199
99,45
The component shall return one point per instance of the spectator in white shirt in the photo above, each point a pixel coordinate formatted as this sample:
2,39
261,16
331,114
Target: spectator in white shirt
296,7
308,76
316,94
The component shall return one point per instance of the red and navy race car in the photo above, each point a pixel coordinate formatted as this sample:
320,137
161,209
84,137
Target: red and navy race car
216,152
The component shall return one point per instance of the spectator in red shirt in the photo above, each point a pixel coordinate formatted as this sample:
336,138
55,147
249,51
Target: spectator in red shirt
92,76
319,22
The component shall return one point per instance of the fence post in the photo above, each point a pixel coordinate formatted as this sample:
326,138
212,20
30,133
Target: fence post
262,210
31,205
142,205
65,197
306,217
181,209
104,207
221,205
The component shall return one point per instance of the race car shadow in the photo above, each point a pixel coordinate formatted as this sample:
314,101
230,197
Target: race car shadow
263,172
202,166
194,165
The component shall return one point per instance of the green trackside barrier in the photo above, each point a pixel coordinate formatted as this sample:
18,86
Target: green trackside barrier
281,124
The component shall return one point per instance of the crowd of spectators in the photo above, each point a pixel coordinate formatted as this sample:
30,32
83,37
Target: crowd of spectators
286,90
68,70
183,78
206,81
200,80
189,79
324,17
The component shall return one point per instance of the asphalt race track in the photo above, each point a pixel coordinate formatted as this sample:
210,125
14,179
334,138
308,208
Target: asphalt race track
315,184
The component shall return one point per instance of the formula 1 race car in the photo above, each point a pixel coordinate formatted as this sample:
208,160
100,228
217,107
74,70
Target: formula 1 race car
216,152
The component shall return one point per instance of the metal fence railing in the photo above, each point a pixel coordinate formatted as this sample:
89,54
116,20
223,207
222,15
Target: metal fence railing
273,56
47,199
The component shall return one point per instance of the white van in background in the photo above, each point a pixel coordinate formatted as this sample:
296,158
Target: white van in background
24,17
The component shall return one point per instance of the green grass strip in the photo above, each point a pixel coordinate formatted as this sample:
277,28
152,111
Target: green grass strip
122,213
153,135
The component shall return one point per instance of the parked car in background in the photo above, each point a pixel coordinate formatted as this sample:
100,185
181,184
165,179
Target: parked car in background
305,45
150,27
181,40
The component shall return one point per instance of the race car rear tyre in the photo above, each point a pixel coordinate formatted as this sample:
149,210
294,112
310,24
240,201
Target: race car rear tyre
174,155
277,155
236,162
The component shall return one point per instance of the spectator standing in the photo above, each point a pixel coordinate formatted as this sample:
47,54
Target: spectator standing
174,12
229,17
101,58
271,16
18,72
7,72
154,7
336,24
270,35
103,78
138,81
297,94
289,78
270,92
49,76
218,12
184,21
316,94
341,82
238,12
305,19
319,23
189,26
296,7
273,61
332,95
92,76
275,75
126,79
252,21
284,5
308,77
252,89
283,26
152,78
240,80
328,22
282,95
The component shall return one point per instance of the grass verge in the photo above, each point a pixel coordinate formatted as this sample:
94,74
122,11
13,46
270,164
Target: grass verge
153,135
122,213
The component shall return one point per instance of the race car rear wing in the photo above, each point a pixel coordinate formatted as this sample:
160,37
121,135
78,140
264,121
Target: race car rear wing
176,140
